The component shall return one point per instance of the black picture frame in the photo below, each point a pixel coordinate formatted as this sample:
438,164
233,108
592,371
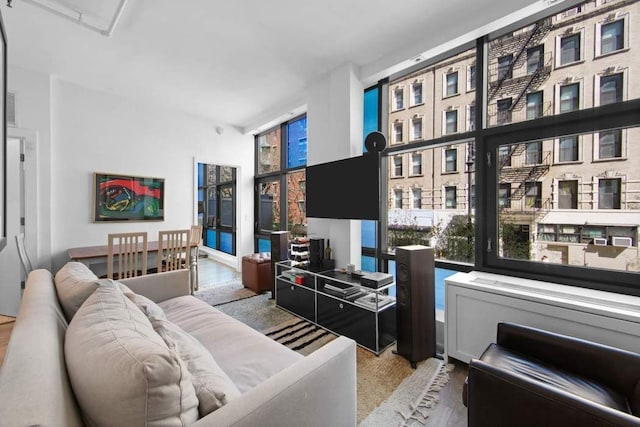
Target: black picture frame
119,197
3,137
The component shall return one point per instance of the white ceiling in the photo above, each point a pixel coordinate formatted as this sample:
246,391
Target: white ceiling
233,61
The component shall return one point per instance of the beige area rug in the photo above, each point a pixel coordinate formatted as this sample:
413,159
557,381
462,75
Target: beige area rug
6,319
224,293
411,402
378,376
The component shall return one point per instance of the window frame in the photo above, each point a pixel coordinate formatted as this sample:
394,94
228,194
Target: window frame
445,84
579,33
280,175
624,18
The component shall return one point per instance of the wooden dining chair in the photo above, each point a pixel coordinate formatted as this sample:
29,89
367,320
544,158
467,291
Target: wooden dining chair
173,249
129,252
196,241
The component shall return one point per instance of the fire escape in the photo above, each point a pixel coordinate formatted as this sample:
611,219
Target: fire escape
521,76
525,73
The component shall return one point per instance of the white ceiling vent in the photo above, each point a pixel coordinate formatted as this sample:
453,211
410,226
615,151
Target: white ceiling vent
99,16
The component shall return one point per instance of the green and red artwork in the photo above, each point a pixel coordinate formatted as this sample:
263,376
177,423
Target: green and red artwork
128,198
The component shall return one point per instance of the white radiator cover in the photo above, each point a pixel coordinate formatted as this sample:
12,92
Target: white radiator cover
475,302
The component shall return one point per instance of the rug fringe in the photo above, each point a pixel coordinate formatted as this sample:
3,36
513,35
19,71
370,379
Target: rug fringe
420,409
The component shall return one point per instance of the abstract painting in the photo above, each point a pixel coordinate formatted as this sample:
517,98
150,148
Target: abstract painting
128,198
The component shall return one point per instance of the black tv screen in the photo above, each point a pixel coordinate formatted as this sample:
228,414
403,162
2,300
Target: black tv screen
344,189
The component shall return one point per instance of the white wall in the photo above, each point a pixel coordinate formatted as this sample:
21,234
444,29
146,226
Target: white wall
99,132
334,132
33,99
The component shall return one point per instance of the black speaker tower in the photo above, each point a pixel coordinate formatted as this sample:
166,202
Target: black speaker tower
415,303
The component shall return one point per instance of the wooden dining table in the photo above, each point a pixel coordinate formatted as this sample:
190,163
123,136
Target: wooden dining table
95,257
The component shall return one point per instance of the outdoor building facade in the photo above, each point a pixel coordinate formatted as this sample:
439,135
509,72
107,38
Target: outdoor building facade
571,200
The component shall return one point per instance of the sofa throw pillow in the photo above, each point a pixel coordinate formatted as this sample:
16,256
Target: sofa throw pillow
121,371
148,307
213,387
75,282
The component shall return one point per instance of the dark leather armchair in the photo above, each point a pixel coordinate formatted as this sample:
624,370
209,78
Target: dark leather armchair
531,377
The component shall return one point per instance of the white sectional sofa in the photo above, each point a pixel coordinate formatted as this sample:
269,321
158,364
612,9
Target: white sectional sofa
122,367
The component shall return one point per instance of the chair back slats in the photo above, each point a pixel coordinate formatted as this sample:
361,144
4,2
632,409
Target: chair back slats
129,252
173,249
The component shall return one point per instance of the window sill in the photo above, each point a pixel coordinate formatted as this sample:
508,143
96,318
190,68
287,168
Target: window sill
418,175
569,162
451,96
612,159
417,105
449,172
604,55
559,66
397,177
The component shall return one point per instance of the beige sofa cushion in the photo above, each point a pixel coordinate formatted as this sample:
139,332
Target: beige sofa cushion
121,371
213,386
75,282
148,307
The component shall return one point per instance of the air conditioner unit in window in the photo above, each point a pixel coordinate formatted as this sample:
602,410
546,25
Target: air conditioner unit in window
600,241
622,241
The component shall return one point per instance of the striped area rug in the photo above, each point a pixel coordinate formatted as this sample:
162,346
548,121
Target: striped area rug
299,335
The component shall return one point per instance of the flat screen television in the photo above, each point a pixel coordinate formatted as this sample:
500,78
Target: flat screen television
344,189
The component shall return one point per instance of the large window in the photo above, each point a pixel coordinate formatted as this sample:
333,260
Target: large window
451,160
217,206
280,201
549,187
417,93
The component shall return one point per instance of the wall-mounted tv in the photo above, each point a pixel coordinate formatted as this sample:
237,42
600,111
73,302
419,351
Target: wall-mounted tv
344,189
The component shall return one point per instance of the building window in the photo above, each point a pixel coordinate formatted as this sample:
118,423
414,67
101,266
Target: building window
504,111
535,59
472,118
451,84
398,99
397,166
610,144
471,82
450,197
568,194
417,93
297,143
473,196
533,153
534,105
217,206
504,196
609,194
397,132
569,97
533,195
504,155
397,198
416,196
568,149
416,125
416,164
451,121
451,160
269,151
611,89
612,37
505,71
570,49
